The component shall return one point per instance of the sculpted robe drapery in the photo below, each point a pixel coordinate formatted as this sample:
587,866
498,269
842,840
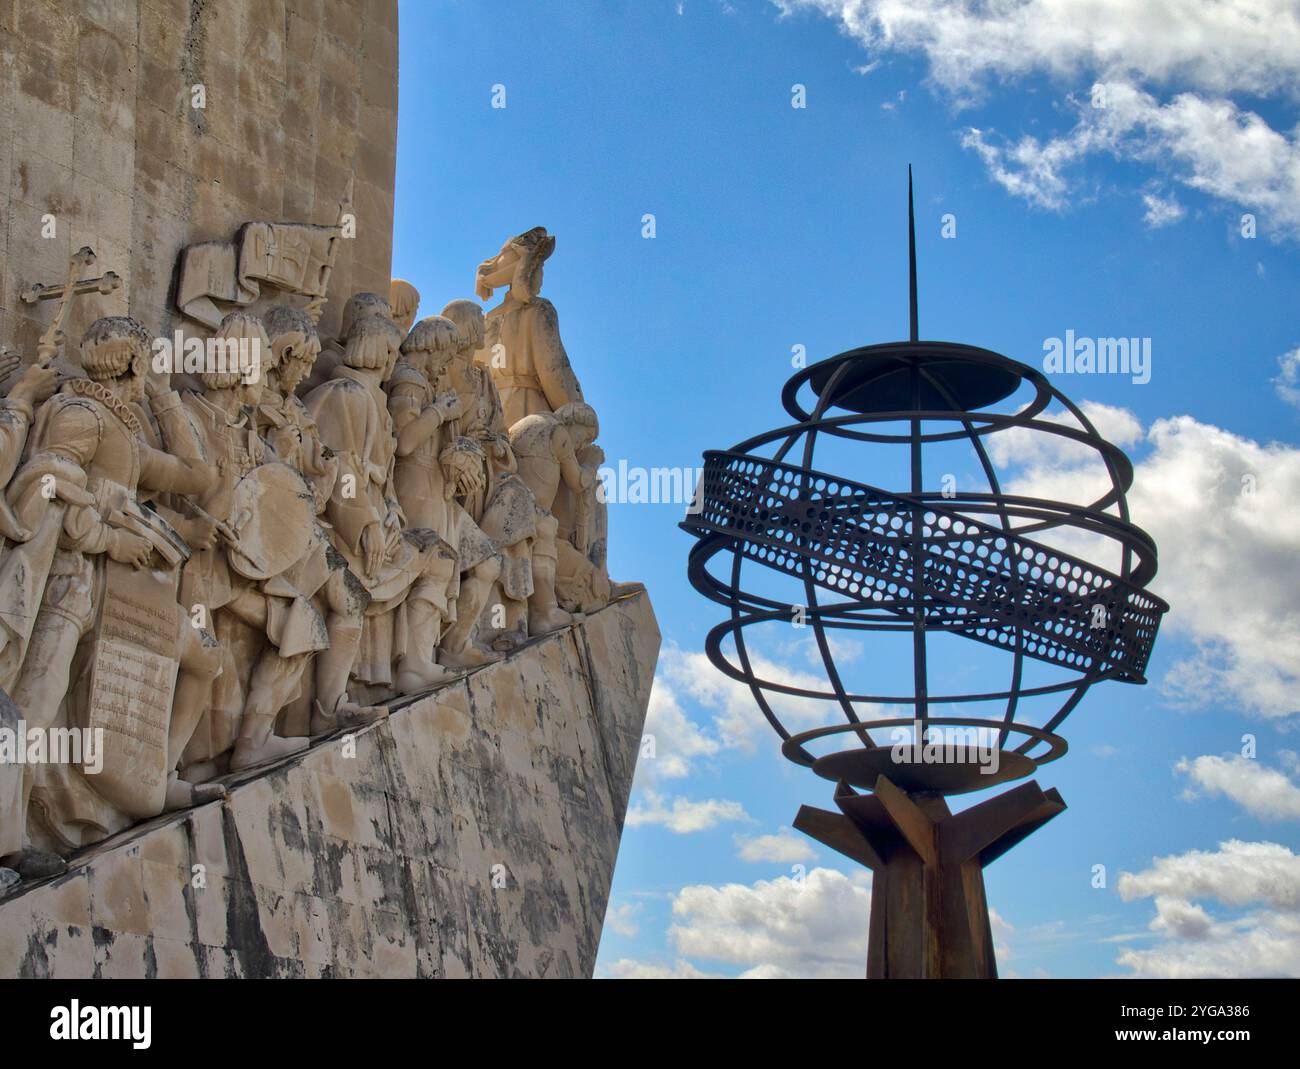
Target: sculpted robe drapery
419,481
503,508
293,627
530,368
87,435
356,425
15,619
424,488
17,610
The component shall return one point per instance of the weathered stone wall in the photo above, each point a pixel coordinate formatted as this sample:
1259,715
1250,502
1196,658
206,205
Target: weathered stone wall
383,863
97,129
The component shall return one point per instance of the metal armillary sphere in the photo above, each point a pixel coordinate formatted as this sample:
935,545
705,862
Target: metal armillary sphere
925,564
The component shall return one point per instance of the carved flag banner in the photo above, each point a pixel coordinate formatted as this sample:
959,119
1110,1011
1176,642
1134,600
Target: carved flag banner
289,256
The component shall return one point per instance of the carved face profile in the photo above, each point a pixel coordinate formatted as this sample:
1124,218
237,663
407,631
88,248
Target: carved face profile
294,345
518,265
293,355
298,362
404,300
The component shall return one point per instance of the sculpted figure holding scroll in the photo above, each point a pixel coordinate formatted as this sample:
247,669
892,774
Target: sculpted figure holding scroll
115,563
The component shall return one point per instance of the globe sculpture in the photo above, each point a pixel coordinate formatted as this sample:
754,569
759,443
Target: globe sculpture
955,555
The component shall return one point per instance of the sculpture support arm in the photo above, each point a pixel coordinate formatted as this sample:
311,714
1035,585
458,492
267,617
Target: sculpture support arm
180,468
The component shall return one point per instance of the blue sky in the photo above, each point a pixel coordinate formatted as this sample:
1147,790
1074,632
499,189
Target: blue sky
778,226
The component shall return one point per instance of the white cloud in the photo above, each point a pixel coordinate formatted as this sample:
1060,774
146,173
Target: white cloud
1221,510
1002,930
1239,874
1287,383
680,742
677,740
737,721
1264,941
814,927
1161,211
631,969
783,848
1198,135
1038,449
1210,145
1219,45
681,815
1260,790
1028,169
621,918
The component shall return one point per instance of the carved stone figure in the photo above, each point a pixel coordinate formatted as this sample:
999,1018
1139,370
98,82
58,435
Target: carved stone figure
249,579
357,308
209,577
522,345
33,386
398,566
404,302
547,447
288,427
423,406
495,497
115,563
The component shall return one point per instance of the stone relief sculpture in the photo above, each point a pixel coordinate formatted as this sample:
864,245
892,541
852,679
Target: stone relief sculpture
404,303
497,500
292,257
398,565
423,406
208,578
110,647
522,344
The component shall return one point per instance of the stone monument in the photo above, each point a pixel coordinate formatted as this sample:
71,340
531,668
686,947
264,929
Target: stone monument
310,661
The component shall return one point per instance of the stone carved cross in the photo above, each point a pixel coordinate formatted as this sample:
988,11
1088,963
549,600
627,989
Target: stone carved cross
82,260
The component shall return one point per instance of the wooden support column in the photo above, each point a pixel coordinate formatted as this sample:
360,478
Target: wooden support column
929,916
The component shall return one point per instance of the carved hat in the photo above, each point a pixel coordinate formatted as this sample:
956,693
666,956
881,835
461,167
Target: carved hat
236,362
468,317
433,334
373,341
360,306
111,344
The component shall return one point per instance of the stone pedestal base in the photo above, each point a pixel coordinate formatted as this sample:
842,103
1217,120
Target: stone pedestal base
472,833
